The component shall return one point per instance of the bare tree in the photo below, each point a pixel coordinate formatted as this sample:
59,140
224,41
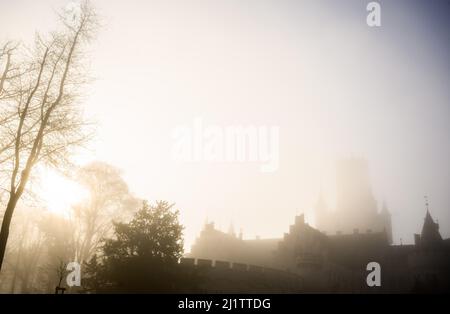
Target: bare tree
9,73
48,123
61,271
109,200
8,70
26,248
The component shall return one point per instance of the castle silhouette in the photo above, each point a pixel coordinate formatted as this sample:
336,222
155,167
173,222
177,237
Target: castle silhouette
331,258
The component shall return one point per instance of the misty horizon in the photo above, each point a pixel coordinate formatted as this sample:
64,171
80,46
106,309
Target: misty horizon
321,118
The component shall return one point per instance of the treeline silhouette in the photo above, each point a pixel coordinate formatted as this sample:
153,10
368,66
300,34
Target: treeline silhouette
142,256
123,244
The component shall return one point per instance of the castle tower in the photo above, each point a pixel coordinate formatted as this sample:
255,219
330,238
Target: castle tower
356,208
354,192
430,231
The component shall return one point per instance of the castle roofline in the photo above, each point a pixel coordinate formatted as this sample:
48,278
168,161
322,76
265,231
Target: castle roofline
430,231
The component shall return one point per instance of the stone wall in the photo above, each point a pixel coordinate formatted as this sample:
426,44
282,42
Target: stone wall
228,277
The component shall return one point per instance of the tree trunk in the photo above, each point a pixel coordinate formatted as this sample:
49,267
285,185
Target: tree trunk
4,232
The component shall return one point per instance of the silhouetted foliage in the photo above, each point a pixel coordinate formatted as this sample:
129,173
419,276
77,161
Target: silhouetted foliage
143,255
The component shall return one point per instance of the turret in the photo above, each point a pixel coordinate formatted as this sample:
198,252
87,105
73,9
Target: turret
430,231
430,235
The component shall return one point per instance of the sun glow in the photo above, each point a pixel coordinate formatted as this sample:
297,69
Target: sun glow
59,193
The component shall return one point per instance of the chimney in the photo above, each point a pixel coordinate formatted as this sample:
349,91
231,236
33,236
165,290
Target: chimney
300,219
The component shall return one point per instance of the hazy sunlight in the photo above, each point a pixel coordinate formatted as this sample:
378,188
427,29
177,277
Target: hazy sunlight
60,193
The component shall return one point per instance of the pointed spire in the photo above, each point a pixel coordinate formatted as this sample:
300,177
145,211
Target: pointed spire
426,203
428,219
430,230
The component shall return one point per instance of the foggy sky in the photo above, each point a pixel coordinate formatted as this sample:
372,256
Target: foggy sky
334,86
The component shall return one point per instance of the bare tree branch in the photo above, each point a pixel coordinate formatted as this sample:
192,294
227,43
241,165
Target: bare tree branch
42,122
